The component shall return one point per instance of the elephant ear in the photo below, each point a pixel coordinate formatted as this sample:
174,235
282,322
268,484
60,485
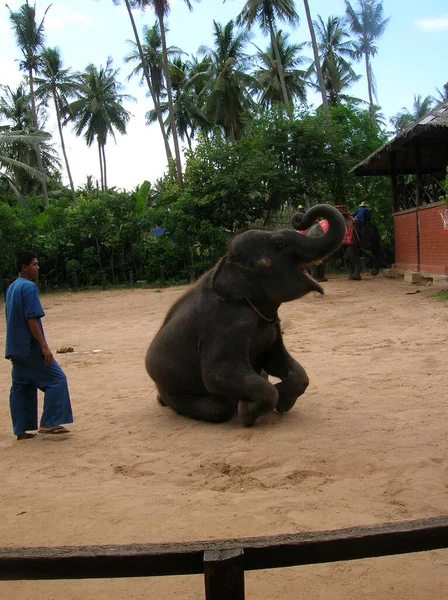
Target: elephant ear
234,280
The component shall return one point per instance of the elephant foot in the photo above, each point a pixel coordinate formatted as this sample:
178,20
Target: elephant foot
322,279
355,277
374,273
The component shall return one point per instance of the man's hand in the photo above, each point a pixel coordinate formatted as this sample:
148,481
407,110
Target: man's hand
39,337
48,355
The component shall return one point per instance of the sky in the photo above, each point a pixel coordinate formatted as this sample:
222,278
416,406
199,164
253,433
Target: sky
411,60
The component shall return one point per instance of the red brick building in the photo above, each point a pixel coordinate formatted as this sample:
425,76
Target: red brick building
416,161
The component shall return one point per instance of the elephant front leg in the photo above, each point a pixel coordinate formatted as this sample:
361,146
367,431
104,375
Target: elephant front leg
353,258
291,388
294,380
255,394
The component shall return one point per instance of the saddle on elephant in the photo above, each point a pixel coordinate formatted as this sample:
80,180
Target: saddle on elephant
349,231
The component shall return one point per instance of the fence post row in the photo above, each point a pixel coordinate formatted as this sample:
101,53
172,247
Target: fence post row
223,562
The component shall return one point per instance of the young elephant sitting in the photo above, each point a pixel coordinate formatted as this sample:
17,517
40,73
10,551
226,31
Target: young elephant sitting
219,339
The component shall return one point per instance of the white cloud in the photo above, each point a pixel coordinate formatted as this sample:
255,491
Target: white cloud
433,23
60,17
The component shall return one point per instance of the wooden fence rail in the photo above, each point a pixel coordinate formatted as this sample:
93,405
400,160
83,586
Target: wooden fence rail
223,562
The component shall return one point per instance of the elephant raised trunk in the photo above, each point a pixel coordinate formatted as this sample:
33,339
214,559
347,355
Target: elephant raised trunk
318,248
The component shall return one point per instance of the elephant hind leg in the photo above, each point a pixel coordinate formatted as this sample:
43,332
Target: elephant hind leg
210,408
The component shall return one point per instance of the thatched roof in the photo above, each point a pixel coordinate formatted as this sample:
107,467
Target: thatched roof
430,133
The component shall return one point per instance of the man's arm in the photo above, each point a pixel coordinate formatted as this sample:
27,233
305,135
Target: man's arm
39,337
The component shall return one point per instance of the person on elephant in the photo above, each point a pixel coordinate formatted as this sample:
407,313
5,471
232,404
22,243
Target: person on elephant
362,216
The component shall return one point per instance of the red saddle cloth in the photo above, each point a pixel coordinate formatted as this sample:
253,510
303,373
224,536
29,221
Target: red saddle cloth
348,238
324,225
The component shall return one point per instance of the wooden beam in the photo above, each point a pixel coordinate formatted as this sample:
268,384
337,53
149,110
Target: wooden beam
143,560
393,178
224,574
418,171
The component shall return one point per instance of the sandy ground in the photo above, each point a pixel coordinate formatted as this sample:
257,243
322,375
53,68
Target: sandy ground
366,444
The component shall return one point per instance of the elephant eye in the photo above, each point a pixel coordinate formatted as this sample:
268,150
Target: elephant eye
280,245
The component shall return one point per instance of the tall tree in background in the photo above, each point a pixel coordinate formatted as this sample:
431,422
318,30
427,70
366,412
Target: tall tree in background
187,102
30,39
266,13
320,78
59,85
228,95
15,107
98,109
368,25
152,56
10,164
161,9
443,94
335,50
267,73
145,67
406,117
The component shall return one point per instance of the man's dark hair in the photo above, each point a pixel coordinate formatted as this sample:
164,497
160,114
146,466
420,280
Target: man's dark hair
24,257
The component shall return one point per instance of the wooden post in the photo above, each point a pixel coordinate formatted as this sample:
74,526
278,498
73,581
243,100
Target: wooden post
74,281
131,278
393,178
192,274
103,280
418,172
224,574
162,275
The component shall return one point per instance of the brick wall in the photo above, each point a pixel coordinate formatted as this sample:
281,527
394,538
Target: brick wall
405,240
433,240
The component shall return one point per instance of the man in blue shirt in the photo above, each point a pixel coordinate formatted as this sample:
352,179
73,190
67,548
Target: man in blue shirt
361,215
33,365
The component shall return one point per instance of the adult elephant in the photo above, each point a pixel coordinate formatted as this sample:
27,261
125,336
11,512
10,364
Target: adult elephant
217,342
356,239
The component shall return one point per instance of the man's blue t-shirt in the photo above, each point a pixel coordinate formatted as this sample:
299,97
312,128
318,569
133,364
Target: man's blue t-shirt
362,215
22,303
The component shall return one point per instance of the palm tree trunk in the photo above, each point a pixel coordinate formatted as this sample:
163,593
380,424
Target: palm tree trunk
64,153
36,127
316,59
101,166
148,82
166,69
370,87
103,152
278,59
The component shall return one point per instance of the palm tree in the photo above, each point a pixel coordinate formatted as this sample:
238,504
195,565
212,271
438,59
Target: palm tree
161,9
187,101
443,94
405,117
59,85
30,39
367,24
98,109
267,73
316,59
334,50
144,66
15,107
152,56
265,13
379,118
228,86
9,164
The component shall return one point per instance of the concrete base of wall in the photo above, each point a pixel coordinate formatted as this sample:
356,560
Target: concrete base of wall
440,281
